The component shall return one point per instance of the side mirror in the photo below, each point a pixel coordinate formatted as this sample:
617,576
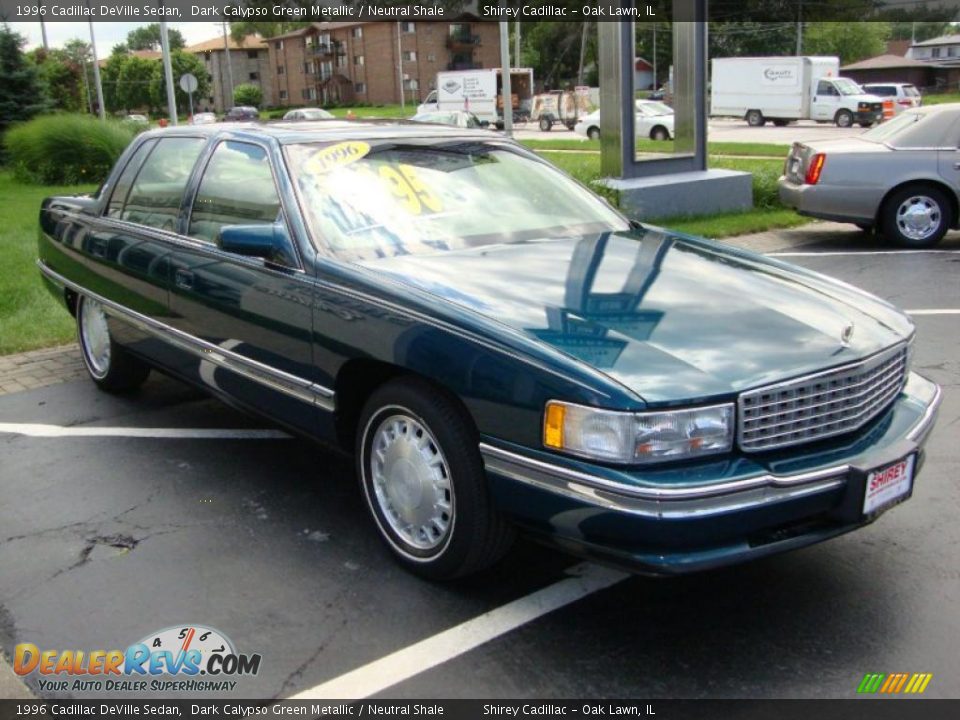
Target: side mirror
264,241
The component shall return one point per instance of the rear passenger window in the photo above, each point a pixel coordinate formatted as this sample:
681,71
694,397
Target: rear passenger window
237,189
122,188
157,192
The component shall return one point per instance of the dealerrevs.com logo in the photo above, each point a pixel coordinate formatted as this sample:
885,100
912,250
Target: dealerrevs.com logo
184,658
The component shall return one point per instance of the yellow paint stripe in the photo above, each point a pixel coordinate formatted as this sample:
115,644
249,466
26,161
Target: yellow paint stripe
912,684
926,681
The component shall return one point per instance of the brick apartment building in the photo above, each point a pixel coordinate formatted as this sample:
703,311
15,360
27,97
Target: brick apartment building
251,65
356,62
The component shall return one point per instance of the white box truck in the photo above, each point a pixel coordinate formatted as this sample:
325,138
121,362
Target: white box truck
782,89
479,91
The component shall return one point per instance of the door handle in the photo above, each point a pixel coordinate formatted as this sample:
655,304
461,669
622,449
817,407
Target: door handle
183,279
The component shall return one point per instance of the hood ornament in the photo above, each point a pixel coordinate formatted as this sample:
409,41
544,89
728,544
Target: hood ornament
846,335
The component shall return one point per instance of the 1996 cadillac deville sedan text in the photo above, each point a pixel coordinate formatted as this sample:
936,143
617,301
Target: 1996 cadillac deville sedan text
498,346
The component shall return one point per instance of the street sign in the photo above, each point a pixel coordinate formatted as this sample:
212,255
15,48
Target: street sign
188,83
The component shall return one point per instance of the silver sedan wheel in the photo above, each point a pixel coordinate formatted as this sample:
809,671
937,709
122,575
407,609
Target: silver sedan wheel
95,337
919,217
411,481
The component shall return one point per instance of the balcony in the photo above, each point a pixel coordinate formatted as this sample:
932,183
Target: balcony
322,74
326,49
464,65
462,41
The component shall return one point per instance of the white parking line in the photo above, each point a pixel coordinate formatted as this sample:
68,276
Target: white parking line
941,311
60,431
859,253
438,649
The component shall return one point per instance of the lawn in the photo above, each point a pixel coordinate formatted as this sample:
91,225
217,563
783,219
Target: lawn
715,148
768,213
29,316
381,111
941,98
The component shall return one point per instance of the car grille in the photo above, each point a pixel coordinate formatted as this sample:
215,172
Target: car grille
822,405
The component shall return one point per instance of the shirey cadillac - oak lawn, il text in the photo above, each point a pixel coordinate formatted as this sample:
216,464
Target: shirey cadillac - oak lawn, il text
496,344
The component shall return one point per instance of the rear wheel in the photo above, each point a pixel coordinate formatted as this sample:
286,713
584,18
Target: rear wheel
780,122
593,133
424,483
843,118
545,123
916,216
659,133
110,366
755,118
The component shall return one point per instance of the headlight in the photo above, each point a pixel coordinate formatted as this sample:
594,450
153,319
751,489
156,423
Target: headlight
633,438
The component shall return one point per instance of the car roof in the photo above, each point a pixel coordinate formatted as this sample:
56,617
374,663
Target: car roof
324,131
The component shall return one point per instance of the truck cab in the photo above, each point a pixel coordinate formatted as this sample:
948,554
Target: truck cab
842,101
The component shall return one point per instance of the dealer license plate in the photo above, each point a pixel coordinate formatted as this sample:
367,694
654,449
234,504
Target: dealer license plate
888,485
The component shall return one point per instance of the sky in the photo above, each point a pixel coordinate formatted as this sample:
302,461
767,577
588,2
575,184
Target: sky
107,34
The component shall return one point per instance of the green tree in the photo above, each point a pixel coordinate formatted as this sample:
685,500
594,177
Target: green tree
21,90
148,38
134,83
110,80
239,30
78,52
247,94
61,78
850,41
182,63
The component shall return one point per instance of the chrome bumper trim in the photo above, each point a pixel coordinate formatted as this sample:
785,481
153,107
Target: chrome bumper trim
292,385
686,502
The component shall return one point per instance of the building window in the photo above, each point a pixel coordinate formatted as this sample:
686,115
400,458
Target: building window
357,32
341,61
936,52
281,69
279,44
431,57
309,93
252,54
411,84
254,76
951,52
283,94
358,59
459,29
306,68
409,55
360,88
408,27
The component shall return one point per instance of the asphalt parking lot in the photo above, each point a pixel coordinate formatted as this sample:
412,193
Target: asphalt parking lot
118,518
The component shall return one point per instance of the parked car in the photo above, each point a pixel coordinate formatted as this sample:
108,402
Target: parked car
653,119
497,345
308,114
901,177
203,118
241,113
137,118
456,118
904,95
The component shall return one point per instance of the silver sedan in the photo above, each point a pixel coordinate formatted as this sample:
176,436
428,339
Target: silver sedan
901,177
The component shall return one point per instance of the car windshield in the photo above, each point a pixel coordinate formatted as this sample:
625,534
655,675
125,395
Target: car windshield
375,200
847,87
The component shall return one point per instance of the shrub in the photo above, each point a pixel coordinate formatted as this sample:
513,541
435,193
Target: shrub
67,149
247,94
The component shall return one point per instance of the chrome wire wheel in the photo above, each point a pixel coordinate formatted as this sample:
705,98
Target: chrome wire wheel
94,337
919,217
411,482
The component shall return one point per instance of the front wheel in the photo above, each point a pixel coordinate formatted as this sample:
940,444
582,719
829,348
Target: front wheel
424,483
843,119
755,118
593,133
916,217
109,365
659,133
545,123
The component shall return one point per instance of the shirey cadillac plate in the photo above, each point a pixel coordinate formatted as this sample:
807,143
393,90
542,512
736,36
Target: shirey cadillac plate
888,485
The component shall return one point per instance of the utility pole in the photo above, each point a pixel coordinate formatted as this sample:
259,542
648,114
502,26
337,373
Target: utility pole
505,78
583,50
800,28
96,72
168,73
403,102
228,98
43,32
516,44
655,86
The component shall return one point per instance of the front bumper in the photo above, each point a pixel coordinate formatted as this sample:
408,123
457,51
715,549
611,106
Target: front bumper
869,116
709,514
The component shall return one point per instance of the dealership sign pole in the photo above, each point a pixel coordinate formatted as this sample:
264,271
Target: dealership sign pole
96,73
168,73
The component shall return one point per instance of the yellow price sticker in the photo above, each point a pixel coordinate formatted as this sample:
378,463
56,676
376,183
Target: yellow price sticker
336,156
405,183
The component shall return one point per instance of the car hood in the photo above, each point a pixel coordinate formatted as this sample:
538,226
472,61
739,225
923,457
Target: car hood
672,318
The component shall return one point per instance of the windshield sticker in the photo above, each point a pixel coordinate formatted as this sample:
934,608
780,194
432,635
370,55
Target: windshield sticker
336,156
